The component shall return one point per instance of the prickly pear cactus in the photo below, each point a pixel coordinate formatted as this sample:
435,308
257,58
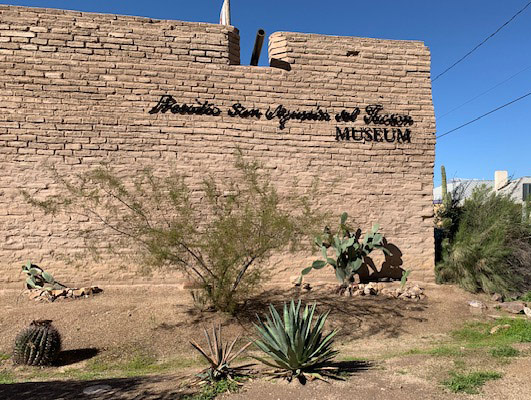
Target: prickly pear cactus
38,344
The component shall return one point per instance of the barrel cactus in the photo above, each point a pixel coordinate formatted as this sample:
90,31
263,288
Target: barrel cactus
38,344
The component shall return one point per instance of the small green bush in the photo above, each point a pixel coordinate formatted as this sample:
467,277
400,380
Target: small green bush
469,383
213,390
491,250
504,351
526,297
6,378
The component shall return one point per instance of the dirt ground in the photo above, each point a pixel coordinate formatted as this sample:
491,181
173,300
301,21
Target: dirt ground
375,341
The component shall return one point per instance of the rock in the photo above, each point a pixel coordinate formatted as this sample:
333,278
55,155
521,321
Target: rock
353,287
34,293
78,292
361,286
295,280
498,328
58,292
497,297
96,290
514,307
477,304
369,291
527,311
97,389
356,293
415,291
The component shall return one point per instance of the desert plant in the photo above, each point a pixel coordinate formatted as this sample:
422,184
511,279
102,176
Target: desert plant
219,355
471,382
403,281
220,241
37,278
296,345
444,185
350,249
491,250
447,215
39,344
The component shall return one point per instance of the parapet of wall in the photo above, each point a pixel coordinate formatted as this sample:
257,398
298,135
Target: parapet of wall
76,90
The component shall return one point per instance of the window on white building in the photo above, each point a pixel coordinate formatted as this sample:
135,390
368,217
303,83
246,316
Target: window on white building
526,191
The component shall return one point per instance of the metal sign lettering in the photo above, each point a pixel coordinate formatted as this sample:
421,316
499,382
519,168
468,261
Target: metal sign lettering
388,127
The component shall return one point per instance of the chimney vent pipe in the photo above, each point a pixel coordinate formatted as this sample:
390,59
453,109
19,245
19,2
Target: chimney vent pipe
257,47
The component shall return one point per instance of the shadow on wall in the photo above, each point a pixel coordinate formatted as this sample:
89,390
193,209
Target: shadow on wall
391,268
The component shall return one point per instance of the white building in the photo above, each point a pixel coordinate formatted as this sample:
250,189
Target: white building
518,189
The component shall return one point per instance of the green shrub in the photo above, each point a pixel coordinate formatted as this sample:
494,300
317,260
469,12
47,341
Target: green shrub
447,215
213,390
221,242
296,348
469,383
491,250
504,351
526,297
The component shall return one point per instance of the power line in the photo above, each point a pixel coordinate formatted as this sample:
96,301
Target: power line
481,94
483,42
481,116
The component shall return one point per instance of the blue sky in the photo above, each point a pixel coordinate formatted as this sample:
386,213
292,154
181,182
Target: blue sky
449,28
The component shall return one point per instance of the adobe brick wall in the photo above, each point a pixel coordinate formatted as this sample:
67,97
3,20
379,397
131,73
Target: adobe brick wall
76,88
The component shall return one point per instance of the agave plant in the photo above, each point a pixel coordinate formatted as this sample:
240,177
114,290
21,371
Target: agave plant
219,355
296,345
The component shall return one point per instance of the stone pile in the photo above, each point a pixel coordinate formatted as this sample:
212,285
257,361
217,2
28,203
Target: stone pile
49,296
375,289
512,307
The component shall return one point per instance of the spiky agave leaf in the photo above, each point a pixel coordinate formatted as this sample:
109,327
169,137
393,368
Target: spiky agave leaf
219,355
295,345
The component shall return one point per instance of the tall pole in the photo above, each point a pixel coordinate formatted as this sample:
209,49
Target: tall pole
225,13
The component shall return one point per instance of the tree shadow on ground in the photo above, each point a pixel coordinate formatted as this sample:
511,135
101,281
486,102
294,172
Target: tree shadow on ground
144,388
355,317
68,357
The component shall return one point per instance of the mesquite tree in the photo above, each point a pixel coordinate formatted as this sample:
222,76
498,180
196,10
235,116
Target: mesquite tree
220,241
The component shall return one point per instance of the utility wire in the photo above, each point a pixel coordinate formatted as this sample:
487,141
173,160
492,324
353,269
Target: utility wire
483,42
481,94
481,116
